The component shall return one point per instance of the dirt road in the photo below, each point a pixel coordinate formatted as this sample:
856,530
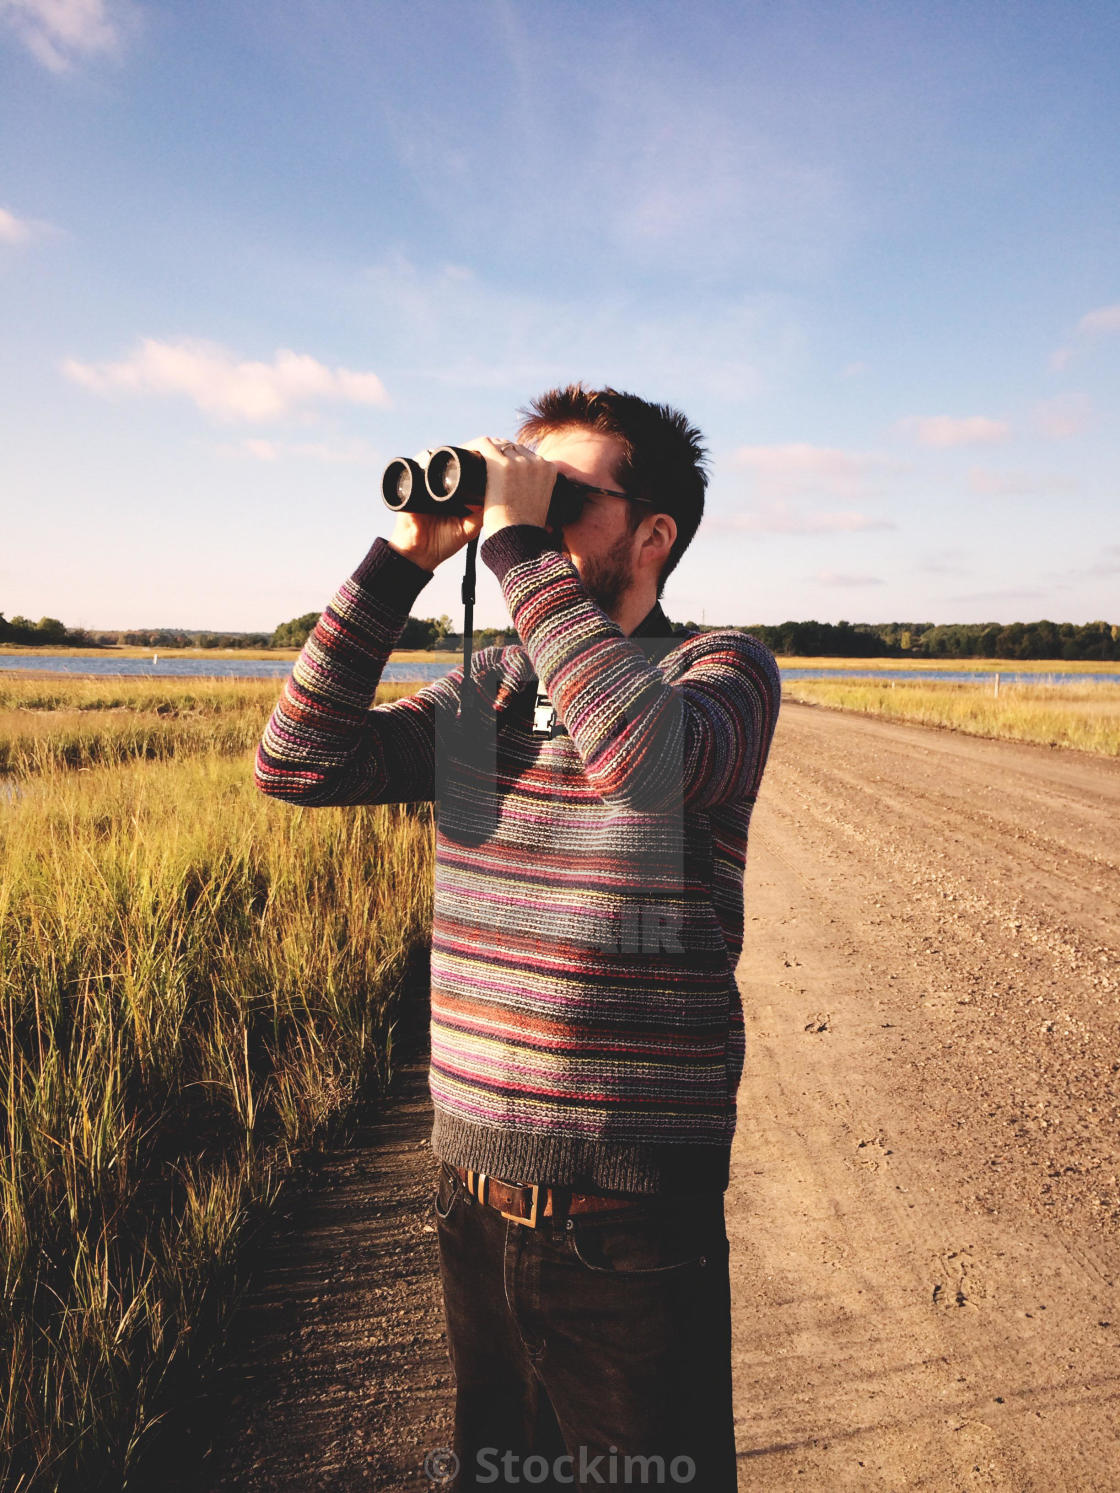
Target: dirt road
924,1208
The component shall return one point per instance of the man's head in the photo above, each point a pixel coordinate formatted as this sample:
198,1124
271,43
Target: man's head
648,450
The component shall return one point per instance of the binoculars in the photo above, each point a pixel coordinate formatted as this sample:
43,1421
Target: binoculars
455,480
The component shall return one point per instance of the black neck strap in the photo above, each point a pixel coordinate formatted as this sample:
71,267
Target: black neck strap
468,618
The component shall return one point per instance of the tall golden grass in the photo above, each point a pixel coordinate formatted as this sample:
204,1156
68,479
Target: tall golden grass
1043,667
83,722
194,980
1085,716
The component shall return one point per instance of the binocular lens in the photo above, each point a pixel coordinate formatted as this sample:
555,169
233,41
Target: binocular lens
444,473
402,478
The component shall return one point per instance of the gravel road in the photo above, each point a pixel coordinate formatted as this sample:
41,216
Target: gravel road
924,1207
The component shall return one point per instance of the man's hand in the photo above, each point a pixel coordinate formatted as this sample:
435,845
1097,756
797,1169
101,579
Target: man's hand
427,539
519,485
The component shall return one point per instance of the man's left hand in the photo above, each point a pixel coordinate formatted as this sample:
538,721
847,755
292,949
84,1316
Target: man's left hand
519,485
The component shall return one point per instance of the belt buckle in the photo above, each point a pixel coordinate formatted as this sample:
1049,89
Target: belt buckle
478,1185
534,1208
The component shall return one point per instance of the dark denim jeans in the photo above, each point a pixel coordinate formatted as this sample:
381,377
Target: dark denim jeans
582,1344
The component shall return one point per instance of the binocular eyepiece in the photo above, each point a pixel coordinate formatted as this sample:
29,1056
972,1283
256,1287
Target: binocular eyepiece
454,481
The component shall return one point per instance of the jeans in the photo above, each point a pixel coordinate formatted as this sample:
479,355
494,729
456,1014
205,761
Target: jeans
588,1352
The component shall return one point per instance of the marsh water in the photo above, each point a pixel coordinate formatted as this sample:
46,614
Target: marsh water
267,668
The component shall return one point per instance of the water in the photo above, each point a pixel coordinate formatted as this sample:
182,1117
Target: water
403,673
199,668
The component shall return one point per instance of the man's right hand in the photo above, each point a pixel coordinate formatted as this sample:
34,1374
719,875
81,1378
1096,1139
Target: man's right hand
427,539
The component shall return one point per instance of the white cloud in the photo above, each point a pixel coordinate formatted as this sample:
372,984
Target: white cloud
782,471
261,450
1068,415
948,430
988,483
17,231
221,385
839,578
1099,322
62,32
13,230
1103,319
779,518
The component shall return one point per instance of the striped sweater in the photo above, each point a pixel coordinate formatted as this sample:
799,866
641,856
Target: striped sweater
586,1025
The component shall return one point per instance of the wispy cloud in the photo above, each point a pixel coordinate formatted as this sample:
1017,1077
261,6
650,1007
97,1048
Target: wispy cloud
1103,319
660,163
780,475
988,483
62,32
222,385
494,335
840,578
331,452
779,518
1097,323
17,231
784,471
950,430
1064,417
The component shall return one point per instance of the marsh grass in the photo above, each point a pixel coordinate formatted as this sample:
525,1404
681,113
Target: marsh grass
87,722
1086,716
194,981
919,665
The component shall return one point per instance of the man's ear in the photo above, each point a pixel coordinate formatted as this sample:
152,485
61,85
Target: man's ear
660,538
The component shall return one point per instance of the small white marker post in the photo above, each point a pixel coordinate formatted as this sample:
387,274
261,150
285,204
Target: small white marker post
996,691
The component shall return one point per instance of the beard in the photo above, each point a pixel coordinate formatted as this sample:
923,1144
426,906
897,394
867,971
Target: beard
606,578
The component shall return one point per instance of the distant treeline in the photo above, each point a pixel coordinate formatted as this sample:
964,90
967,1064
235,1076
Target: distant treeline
1091,641
1098,641
48,630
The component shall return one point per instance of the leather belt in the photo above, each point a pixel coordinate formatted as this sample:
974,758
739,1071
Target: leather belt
528,1203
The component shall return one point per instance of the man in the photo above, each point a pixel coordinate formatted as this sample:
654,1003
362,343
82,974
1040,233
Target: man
594,788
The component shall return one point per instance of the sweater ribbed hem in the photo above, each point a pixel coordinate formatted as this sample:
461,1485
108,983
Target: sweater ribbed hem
397,579
508,547
583,1165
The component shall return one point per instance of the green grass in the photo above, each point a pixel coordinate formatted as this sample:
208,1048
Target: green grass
195,981
1085,716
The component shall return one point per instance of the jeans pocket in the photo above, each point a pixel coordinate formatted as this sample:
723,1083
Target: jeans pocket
649,1244
449,1189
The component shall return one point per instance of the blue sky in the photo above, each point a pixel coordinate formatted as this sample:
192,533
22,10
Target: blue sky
250,252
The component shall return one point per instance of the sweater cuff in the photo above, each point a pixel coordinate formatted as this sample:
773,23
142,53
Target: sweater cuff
508,547
396,579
